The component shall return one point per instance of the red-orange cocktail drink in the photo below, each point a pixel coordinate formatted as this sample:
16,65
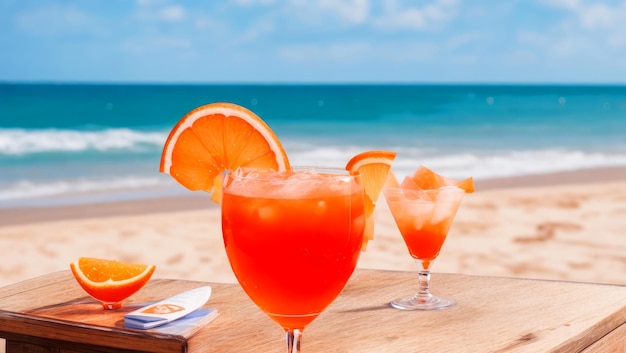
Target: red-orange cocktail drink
423,243
424,218
293,238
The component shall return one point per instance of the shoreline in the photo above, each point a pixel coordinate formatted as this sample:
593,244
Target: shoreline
560,226
199,200
23,215
579,176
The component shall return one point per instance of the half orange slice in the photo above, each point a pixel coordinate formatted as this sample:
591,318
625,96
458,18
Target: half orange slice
217,137
110,281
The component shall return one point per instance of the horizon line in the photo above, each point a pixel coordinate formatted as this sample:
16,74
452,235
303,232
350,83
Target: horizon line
309,83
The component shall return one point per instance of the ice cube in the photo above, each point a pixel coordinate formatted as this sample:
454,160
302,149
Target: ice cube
267,213
446,204
287,184
421,212
415,195
418,222
304,184
321,207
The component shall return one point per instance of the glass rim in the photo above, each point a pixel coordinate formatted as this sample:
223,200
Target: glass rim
331,171
439,189
396,194
319,168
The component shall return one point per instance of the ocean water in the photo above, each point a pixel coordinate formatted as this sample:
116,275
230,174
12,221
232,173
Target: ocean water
73,143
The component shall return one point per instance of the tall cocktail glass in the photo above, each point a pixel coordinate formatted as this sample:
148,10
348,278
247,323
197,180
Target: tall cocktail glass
293,239
424,218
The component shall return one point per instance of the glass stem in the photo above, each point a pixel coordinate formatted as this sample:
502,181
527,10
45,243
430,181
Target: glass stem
294,336
423,295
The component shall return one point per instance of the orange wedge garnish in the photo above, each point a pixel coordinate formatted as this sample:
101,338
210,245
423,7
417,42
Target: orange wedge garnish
425,178
392,180
374,167
110,281
215,138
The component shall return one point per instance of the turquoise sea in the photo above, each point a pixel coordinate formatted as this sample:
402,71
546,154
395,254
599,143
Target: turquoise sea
73,143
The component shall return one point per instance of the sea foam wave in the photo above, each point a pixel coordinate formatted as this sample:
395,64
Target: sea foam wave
25,189
519,163
479,164
23,142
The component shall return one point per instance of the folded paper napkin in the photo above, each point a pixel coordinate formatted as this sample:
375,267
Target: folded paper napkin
172,309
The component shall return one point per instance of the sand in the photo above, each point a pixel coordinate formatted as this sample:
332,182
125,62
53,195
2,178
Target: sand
563,226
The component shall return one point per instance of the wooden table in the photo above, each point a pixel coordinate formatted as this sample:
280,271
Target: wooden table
53,314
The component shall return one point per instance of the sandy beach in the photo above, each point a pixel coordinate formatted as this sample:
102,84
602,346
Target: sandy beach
561,226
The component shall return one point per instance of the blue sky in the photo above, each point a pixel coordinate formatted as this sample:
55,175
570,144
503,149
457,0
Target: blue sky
296,41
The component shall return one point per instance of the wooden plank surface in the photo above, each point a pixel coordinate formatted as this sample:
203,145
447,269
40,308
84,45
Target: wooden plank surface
614,342
57,309
492,315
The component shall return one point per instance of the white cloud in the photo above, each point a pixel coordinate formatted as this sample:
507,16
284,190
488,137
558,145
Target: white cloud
350,11
390,15
156,10
601,16
566,4
590,33
366,35
324,13
339,15
56,20
427,17
358,51
172,13
617,40
248,3
257,30
569,46
593,15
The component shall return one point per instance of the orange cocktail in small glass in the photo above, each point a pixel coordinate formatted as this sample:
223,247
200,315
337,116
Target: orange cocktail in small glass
424,218
424,241
293,239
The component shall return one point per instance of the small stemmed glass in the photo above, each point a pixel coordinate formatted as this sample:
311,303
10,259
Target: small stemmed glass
424,218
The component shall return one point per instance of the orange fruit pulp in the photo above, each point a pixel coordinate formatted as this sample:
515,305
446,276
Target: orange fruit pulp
109,281
294,252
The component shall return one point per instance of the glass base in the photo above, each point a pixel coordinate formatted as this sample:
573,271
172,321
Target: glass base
111,306
416,303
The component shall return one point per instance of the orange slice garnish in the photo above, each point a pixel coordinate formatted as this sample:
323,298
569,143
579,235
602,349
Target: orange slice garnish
215,138
392,180
110,281
374,167
425,179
